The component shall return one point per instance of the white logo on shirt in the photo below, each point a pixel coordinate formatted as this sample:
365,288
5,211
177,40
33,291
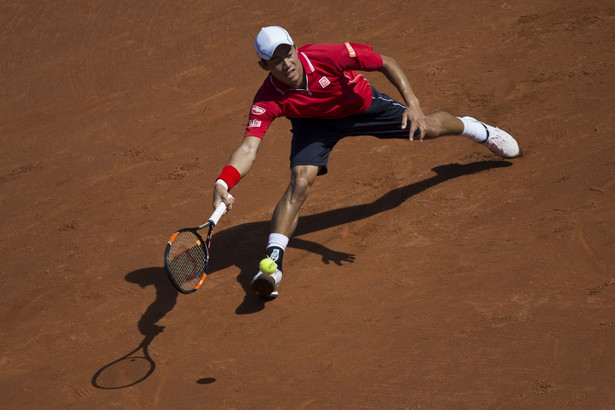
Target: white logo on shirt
350,50
256,110
324,82
254,124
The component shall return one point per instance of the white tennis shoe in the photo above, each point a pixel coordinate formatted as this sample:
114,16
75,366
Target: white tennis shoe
265,285
499,141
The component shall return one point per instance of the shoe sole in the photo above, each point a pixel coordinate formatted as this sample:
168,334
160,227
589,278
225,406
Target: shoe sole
264,285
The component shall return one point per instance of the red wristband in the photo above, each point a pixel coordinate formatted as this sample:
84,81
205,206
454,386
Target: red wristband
230,175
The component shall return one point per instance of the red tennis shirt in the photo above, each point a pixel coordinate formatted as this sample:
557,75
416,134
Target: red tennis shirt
333,89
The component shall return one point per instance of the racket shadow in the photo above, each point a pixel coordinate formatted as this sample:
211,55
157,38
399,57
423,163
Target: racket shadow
244,244
138,365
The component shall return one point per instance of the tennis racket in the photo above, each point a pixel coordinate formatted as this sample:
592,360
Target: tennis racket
187,254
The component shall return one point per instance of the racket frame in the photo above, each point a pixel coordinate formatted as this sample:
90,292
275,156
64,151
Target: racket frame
204,244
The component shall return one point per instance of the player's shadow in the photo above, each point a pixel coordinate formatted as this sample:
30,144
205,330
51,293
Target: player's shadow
166,297
137,365
243,245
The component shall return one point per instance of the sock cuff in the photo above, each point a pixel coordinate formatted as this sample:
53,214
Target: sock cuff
278,240
474,129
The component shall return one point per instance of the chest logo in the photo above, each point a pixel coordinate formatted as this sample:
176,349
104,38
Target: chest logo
324,82
256,110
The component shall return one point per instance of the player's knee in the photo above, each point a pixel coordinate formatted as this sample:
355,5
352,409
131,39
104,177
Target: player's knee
300,184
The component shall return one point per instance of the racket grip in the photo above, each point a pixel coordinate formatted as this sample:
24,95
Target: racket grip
215,217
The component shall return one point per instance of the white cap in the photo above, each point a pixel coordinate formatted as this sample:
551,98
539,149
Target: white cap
268,39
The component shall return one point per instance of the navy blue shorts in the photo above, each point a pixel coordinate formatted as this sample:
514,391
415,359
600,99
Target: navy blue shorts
313,138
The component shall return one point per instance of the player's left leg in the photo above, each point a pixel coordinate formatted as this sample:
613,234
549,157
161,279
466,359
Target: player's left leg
500,142
440,123
383,119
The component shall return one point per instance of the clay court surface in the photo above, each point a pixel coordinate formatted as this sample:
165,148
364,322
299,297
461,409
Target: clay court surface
422,275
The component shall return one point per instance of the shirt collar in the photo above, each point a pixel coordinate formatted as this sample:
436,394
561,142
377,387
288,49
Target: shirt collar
278,86
308,68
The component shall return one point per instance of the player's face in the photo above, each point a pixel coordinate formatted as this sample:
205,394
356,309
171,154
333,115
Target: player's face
286,67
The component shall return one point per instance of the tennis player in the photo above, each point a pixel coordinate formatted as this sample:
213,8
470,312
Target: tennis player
319,89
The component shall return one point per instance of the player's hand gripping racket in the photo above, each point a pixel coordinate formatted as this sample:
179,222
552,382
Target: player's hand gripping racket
187,255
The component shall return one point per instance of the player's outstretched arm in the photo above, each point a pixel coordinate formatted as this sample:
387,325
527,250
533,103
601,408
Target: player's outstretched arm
413,114
236,168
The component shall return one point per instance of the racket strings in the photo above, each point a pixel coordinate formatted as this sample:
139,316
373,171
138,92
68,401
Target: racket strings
186,260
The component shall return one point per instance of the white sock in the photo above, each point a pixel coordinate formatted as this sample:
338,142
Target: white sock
277,240
474,130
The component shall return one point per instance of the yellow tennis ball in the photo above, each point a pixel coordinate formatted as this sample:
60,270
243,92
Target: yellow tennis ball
267,266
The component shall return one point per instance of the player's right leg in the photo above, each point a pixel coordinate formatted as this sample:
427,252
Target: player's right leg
286,213
283,224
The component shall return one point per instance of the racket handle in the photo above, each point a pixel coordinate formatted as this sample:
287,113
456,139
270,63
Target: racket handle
215,217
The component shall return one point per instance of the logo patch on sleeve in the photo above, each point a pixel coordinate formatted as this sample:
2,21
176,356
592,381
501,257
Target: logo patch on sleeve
254,124
350,50
256,110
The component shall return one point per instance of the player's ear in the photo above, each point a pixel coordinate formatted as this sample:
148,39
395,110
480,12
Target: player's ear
263,64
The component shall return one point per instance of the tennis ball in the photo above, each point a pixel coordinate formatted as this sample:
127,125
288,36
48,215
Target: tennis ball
267,266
